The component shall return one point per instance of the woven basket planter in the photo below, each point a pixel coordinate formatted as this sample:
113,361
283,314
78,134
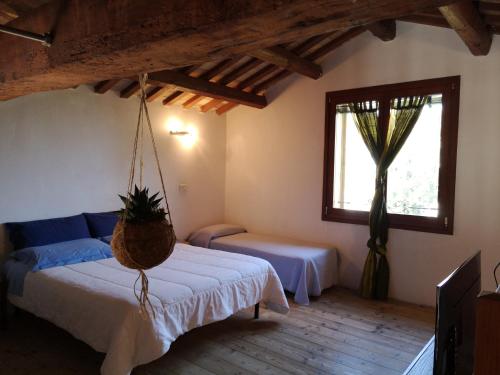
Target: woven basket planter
144,245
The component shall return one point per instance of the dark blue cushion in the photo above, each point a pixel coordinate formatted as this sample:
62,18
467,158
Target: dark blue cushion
45,232
61,254
101,224
106,239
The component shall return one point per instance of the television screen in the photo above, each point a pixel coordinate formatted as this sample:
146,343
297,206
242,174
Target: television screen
456,319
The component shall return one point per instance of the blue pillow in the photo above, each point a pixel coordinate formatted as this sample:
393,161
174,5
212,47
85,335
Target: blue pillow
45,232
101,224
106,239
61,254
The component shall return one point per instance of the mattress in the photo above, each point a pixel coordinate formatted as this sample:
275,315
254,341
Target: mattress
95,302
303,268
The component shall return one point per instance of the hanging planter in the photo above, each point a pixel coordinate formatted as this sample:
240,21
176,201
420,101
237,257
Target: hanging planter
144,236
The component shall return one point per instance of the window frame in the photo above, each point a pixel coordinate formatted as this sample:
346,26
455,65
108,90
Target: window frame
449,87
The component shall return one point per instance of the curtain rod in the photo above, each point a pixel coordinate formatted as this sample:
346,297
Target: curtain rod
45,39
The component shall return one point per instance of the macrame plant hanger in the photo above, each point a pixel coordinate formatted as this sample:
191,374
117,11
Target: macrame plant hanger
143,246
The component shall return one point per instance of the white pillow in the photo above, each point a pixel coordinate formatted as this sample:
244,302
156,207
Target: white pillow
203,236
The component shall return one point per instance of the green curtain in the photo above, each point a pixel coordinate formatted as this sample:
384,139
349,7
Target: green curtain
404,115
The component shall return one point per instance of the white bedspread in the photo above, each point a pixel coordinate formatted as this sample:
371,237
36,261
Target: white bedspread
94,301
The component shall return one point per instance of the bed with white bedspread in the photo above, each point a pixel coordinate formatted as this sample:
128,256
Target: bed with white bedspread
94,301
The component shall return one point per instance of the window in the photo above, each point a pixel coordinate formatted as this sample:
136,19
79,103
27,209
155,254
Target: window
421,180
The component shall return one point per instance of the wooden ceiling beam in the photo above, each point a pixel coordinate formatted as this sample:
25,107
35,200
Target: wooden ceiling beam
156,92
270,69
211,104
209,75
465,19
192,101
206,88
172,97
288,60
104,86
317,54
130,90
384,30
99,40
225,108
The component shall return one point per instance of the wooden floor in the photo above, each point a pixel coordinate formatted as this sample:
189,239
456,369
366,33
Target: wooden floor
338,333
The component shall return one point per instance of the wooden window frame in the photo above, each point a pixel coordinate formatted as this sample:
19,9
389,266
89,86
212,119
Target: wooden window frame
449,87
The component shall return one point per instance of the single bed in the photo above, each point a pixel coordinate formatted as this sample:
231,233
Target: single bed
94,301
304,268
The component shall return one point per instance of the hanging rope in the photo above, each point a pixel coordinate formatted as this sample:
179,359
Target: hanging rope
123,253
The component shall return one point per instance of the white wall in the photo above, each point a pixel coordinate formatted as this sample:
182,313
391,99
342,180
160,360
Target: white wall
274,165
69,151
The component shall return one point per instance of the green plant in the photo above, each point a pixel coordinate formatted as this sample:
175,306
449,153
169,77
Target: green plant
141,208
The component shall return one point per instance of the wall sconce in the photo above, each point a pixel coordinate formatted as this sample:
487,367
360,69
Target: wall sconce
179,132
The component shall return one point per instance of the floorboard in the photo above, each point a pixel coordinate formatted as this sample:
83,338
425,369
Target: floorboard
339,333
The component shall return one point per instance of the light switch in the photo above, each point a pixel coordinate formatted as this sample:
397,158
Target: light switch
183,188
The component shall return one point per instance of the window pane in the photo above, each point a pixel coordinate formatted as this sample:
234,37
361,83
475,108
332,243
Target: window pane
413,178
354,169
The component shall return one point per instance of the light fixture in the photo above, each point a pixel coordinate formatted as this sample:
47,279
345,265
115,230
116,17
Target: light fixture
179,132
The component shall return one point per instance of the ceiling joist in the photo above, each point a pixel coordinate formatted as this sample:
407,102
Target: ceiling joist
206,88
288,60
465,19
104,86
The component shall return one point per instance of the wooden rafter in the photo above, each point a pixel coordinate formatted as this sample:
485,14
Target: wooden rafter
214,103
384,30
206,88
225,108
192,101
288,60
156,92
209,75
262,73
464,18
317,54
130,90
104,86
96,41
172,97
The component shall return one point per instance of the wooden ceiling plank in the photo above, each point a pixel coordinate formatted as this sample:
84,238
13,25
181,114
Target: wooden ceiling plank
225,108
319,53
209,75
171,98
384,30
240,71
335,43
288,60
192,101
156,92
465,19
96,40
130,90
211,104
104,86
311,42
206,88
